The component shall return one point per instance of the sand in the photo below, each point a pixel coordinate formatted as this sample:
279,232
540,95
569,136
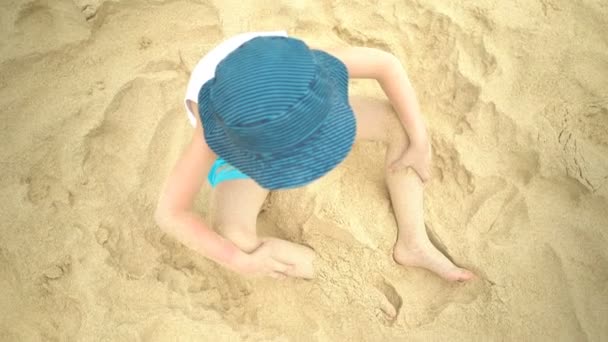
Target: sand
515,95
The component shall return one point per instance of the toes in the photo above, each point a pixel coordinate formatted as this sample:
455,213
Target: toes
467,275
460,275
387,307
389,301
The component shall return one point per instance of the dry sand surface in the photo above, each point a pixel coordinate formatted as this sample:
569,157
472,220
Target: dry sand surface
515,94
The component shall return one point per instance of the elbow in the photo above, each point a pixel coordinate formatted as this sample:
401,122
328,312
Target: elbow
392,65
162,217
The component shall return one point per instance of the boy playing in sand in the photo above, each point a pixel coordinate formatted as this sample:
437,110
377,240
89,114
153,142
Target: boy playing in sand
272,113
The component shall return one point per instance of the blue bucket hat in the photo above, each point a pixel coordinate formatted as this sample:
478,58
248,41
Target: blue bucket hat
278,111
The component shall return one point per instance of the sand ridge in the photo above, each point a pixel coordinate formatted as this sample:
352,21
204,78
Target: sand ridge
516,100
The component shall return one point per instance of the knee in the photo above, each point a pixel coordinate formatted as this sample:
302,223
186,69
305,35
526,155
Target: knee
244,237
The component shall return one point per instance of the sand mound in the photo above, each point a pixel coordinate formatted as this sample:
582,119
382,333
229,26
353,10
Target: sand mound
516,100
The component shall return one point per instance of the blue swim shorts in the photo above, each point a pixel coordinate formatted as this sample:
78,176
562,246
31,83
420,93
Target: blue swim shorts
222,171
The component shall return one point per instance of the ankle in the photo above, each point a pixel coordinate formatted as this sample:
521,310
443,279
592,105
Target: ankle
412,243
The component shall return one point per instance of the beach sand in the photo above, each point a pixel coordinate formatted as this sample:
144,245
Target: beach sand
515,96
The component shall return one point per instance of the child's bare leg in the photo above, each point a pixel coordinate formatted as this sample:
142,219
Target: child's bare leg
376,121
413,246
234,208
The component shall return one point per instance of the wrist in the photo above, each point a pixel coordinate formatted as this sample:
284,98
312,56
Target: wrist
416,132
239,260
419,140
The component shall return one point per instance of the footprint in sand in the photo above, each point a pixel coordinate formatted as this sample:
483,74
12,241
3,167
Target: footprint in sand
496,211
390,301
46,189
183,272
144,43
128,251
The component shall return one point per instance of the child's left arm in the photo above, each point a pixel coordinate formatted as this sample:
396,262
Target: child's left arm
371,63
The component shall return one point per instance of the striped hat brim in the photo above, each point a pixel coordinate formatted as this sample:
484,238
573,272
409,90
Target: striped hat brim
310,159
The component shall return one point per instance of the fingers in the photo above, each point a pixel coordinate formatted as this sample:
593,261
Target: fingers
400,166
278,266
277,275
425,175
395,166
279,270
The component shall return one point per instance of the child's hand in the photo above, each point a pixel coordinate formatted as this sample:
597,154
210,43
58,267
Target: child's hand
262,262
418,156
276,258
299,256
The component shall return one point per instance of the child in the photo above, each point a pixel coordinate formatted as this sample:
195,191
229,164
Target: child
272,113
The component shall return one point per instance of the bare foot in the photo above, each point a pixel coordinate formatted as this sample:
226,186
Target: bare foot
427,256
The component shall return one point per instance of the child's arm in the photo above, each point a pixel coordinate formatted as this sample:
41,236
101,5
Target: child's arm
174,213
175,216
363,62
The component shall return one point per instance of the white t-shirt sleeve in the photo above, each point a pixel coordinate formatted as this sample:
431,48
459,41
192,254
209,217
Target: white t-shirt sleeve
205,68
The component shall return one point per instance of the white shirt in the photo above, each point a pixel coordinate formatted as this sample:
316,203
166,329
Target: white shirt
205,68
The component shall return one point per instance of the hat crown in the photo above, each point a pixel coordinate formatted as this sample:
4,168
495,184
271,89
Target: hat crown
269,94
291,138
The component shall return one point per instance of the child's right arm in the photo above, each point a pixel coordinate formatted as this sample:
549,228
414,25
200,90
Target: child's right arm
175,216
174,213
